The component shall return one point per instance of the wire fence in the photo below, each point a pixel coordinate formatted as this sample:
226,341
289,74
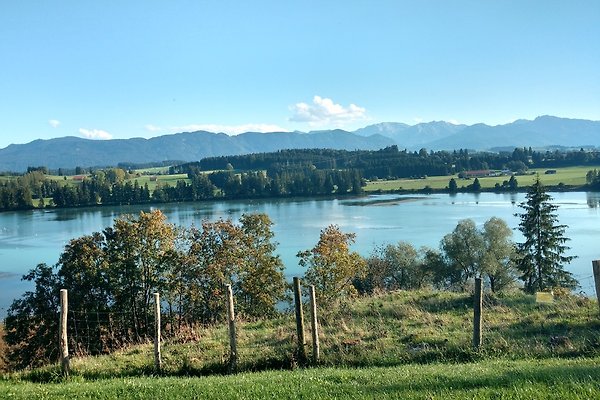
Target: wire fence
100,332
586,283
390,328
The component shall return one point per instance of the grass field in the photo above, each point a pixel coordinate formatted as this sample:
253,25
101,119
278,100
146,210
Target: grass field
153,170
495,379
170,180
571,176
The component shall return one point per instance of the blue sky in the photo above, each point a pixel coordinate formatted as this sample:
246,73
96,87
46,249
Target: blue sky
120,69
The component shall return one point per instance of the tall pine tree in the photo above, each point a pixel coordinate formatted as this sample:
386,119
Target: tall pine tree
542,255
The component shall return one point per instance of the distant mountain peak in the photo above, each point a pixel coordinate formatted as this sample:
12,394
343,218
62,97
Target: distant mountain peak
336,130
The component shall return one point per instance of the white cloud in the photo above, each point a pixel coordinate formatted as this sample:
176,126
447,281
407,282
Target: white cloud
228,129
324,111
96,134
454,121
153,128
54,123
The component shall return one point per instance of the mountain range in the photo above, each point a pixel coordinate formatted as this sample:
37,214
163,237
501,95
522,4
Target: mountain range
69,152
542,132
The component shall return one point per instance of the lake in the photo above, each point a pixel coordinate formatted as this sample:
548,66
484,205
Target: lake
32,237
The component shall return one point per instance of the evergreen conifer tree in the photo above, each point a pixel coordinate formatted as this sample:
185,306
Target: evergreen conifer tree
542,254
452,186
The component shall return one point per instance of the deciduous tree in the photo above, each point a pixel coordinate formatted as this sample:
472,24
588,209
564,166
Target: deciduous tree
499,254
331,265
488,253
260,282
396,266
464,249
32,321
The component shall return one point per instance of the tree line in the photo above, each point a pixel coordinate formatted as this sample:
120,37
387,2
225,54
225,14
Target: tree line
115,186
391,162
112,274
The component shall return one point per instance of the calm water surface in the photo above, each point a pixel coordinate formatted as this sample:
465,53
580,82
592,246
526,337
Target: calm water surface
32,237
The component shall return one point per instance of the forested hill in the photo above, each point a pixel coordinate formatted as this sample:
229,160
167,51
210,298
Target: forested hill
392,162
71,152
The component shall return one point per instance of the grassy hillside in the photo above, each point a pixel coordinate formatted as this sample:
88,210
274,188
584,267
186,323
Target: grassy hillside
530,350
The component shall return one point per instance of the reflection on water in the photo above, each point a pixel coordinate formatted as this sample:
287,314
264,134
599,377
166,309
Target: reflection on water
593,199
64,217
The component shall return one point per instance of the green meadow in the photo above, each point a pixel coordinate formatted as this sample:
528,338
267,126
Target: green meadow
568,176
495,379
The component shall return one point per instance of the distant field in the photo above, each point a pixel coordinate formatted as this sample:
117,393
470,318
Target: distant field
170,180
153,170
572,176
60,177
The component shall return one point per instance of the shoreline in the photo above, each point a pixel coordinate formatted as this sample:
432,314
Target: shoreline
423,191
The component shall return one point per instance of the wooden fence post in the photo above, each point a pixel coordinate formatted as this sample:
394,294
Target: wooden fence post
63,340
477,306
232,335
299,321
596,267
157,358
315,325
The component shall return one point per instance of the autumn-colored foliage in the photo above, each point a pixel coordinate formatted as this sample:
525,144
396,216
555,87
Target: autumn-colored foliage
331,266
111,276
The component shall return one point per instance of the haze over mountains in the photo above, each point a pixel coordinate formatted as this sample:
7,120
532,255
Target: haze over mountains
69,152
